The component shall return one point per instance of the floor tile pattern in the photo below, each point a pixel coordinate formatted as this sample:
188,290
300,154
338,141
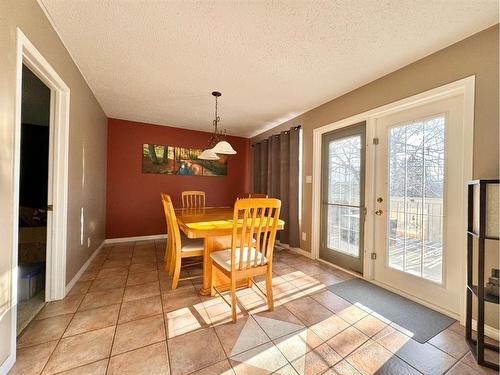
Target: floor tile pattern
122,317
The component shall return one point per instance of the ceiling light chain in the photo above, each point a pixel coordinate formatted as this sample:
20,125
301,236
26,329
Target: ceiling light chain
218,143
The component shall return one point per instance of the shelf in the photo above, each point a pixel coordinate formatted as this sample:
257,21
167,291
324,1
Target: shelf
477,209
473,348
476,235
487,297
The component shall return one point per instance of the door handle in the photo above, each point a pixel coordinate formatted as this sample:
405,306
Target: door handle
379,212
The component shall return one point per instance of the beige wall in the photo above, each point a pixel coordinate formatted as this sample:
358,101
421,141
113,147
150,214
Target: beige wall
476,55
87,136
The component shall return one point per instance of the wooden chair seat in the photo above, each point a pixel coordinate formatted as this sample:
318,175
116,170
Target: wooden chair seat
223,258
188,245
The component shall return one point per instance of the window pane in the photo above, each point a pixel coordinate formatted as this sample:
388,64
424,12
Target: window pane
344,161
416,177
343,229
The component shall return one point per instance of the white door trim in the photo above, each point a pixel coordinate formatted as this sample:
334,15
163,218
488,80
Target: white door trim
26,53
58,161
464,87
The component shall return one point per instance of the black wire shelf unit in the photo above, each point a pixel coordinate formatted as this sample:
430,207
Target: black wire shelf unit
477,345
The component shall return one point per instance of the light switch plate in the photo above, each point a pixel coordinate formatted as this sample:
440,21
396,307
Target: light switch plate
304,236
309,179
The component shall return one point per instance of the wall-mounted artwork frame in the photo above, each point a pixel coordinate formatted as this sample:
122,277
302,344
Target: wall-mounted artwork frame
161,159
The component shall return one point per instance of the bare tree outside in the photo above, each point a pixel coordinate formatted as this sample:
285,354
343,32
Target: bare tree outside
344,161
415,196
416,181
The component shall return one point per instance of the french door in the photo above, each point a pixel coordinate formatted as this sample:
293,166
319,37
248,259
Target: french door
418,202
342,208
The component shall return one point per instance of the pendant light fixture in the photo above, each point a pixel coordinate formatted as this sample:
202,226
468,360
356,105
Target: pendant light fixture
218,143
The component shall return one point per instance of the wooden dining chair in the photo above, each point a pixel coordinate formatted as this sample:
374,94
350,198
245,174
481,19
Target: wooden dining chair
250,195
255,222
178,247
193,199
257,195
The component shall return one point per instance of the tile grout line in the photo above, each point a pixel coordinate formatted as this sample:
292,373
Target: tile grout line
119,313
249,314
272,341
79,366
165,328
459,361
65,329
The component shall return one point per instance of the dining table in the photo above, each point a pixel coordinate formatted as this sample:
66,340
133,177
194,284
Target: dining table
215,226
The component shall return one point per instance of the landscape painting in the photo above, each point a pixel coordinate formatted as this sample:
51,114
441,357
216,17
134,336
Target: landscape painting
161,159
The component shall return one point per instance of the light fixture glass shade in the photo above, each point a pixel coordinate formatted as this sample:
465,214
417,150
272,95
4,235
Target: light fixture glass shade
223,147
208,154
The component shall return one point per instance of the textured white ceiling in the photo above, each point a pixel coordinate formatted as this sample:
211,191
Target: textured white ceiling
158,61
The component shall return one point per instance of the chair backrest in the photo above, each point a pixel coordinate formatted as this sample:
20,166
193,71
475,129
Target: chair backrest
257,195
250,195
174,235
255,222
193,199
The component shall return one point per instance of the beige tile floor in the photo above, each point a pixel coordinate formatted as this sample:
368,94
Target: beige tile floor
123,318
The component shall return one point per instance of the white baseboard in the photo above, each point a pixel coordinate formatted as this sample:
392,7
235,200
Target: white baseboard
133,239
418,300
82,270
353,273
295,250
299,251
489,331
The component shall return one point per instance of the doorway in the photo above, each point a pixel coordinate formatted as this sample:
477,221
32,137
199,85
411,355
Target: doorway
33,197
55,273
412,242
418,189
342,208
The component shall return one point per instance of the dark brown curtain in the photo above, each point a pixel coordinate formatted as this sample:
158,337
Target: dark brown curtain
276,173
262,187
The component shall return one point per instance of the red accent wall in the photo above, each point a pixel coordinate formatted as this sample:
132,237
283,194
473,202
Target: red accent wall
133,206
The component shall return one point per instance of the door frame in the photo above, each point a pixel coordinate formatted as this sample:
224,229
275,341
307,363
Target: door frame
464,87
55,284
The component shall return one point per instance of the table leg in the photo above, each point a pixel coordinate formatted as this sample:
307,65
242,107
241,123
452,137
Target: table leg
207,266
215,243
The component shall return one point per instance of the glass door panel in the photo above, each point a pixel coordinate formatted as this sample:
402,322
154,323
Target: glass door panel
420,200
416,179
342,197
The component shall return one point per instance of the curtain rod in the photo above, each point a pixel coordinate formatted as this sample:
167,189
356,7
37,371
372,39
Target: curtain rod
276,135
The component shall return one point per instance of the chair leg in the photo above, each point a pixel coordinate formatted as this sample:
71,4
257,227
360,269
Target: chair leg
173,261
167,267
168,260
167,257
269,289
233,298
177,273
212,289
